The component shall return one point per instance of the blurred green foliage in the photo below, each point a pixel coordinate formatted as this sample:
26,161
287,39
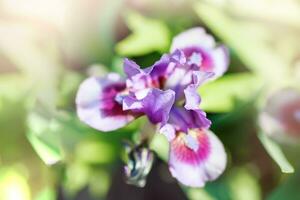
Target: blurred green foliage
139,42
231,89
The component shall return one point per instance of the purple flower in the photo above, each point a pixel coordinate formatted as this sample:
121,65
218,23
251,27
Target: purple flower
166,93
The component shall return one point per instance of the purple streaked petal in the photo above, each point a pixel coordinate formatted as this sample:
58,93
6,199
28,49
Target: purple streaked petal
156,104
194,167
160,67
97,106
131,68
195,37
183,119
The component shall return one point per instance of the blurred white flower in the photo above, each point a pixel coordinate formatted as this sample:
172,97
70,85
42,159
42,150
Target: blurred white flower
280,118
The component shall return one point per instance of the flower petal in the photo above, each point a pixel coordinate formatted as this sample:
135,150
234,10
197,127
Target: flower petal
183,119
156,104
169,131
97,106
220,59
192,98
194,37
153,76
159,68
195,167
200,77
131,68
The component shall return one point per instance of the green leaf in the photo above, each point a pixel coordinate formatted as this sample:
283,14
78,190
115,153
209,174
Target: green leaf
276,153
13,86
160,145
49,154
195,194
222,95
43,136
148,35
248,40
288,189
77,176
95,152
242,182
46,194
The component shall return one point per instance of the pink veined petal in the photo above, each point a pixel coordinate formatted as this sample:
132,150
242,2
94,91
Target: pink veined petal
194,37
97,106
201,50
195,167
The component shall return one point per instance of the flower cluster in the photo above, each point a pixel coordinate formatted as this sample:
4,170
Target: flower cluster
166,93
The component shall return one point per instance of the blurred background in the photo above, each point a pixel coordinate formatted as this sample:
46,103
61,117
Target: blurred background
47,47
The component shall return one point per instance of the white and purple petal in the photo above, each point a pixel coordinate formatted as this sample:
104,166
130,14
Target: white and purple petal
201,50
220,57
194,37
97,105
212,60
197,157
